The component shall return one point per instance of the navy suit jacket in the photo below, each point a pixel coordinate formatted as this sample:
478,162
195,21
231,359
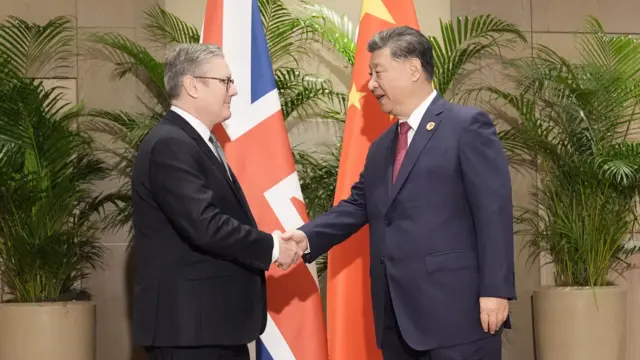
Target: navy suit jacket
441,236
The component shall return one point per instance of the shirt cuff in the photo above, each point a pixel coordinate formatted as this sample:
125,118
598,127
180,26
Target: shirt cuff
276,249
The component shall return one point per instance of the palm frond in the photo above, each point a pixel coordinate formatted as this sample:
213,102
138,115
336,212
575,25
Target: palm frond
129,58
286,34
318,171
35,50
470,40
328,26
603,50
127,131
305,95
165,28
123,126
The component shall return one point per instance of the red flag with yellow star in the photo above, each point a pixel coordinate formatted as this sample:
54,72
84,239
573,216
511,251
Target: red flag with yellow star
350,328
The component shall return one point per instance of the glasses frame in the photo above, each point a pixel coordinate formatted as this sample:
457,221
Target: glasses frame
226,81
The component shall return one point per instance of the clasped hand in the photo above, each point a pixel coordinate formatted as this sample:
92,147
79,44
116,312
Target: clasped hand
292,245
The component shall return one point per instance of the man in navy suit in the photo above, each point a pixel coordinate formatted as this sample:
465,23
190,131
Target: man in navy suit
436,193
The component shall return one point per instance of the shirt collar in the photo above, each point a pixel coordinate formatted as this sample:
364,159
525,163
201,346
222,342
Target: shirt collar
417,114
195,123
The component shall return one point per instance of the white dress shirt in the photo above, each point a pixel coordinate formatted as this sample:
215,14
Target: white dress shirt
198,125
416,116
202,129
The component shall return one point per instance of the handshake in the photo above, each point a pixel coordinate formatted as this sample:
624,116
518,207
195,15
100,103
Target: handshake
292,245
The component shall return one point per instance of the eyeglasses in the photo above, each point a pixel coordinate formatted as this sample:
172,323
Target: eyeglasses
226,81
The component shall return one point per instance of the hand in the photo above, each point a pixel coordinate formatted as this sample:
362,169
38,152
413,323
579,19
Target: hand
493,312
298,237
289,252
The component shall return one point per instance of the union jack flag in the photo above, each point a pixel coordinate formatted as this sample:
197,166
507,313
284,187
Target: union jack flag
257,147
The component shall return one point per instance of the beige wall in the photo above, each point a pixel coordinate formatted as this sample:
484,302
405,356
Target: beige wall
546,21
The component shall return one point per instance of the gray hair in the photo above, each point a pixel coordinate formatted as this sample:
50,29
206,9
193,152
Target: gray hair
405,43
183,60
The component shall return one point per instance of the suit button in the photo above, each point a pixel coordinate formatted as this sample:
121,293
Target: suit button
382,260
387,221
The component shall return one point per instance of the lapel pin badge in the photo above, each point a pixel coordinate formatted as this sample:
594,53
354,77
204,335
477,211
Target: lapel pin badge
430,126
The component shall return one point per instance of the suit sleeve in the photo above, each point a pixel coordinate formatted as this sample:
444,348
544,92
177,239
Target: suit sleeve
337,224
488,187
183,195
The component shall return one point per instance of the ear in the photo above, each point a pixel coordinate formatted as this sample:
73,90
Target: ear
190,86
415,67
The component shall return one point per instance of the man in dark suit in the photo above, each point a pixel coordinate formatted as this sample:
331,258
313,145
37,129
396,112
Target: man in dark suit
200,260
436,193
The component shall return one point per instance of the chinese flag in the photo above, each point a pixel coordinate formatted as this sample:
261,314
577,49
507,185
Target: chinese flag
351,333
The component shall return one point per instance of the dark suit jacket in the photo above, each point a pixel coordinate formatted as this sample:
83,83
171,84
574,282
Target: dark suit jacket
199,259
442,235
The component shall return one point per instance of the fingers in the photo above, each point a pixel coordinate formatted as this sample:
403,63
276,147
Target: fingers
293,244
493,312
283,263
298,237
484,320
289,254
493,322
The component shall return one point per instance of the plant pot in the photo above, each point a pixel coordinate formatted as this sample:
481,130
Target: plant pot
50,330
572,323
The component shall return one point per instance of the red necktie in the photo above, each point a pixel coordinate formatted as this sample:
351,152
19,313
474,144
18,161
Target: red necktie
401,147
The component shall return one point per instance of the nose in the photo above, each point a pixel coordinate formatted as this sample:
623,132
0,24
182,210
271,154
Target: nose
233,91
372,84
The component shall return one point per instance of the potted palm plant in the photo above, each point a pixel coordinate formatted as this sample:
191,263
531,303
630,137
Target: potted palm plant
570,121
49,213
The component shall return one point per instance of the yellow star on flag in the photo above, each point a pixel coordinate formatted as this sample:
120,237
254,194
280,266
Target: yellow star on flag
377,9
355,96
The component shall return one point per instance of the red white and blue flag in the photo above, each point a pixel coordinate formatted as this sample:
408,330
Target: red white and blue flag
256,145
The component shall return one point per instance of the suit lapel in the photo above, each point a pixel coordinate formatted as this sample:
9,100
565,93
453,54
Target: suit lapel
184,125
420,139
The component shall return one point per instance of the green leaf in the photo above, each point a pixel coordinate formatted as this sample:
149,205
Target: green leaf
35,50
306,95
129,58
50,214
165,28
286,34
318,172
571,121
467,42
330,27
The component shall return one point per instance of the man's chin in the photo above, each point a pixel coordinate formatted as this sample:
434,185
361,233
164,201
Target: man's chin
386,109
